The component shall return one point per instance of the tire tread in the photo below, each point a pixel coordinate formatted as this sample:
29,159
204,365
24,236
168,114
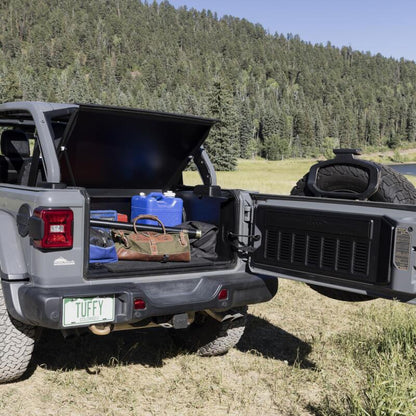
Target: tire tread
212,338
16,345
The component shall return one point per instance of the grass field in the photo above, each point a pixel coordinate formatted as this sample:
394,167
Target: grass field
301,354
259,175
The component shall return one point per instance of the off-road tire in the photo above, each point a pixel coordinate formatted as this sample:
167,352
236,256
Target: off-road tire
16,345
394,188
207,337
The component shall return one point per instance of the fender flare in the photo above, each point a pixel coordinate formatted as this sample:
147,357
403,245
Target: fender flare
12,261
12,265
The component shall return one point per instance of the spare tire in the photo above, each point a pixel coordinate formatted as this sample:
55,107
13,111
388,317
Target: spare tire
208,337
394,188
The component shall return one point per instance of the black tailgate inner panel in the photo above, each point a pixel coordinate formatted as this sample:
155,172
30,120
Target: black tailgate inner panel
341,245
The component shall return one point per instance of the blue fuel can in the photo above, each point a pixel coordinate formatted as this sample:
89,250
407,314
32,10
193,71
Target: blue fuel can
165,206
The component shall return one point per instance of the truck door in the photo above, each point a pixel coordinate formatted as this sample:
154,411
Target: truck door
366,248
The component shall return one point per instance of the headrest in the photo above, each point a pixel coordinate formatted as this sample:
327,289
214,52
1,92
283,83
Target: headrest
14,143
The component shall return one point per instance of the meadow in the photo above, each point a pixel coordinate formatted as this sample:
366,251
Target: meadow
301,354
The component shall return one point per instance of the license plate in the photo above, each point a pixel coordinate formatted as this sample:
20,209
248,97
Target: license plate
81,311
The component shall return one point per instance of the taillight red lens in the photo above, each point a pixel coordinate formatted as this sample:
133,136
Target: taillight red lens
57,228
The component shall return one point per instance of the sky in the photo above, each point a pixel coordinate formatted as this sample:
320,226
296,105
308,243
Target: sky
379,26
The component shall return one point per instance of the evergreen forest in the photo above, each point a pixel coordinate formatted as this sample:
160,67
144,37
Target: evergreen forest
275,95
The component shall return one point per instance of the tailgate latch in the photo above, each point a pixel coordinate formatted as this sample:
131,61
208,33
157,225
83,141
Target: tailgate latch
244,248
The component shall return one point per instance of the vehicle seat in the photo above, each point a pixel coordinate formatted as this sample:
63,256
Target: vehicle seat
15,150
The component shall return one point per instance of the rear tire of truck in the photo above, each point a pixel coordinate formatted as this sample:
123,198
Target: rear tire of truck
394,188
17,341
207,337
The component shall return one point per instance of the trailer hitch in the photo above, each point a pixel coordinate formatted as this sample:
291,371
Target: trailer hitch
346,157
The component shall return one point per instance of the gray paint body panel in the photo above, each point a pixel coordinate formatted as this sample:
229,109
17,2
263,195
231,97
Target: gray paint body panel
40,265
39,110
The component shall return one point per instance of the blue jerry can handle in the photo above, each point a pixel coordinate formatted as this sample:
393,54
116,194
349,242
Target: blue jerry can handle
157,195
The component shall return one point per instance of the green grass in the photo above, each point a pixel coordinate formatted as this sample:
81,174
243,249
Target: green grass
260,175
386,355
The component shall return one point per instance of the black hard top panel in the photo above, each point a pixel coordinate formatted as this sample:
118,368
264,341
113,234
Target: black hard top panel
110,147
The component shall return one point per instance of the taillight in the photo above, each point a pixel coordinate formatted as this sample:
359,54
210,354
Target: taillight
56,230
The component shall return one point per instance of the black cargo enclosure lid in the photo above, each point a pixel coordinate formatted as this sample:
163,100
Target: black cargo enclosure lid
122,148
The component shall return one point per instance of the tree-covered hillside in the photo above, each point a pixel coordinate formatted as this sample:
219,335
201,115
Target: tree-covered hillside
275,95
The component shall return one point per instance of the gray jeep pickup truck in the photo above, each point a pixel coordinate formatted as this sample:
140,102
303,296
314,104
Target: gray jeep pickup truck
348,230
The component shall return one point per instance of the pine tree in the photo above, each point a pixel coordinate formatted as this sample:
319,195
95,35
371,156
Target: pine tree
223,141
411,124
10,89
246,130
269,134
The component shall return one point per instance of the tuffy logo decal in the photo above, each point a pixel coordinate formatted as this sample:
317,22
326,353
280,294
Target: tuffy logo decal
61,261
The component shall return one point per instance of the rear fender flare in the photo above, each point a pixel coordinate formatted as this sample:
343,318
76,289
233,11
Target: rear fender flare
12,261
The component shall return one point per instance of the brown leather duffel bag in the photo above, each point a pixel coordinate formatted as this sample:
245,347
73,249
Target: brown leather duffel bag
151,246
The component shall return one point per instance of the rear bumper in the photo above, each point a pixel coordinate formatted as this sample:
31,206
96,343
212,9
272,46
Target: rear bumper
43,306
